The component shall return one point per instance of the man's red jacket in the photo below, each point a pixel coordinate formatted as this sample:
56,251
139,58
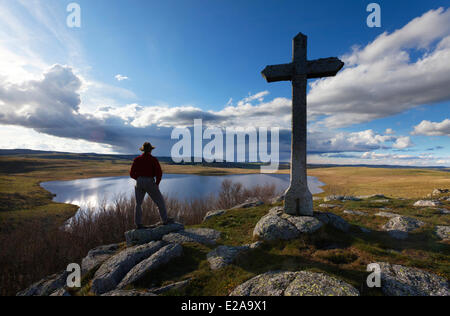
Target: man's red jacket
146,166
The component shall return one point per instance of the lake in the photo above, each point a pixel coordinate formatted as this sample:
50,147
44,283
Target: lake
96,191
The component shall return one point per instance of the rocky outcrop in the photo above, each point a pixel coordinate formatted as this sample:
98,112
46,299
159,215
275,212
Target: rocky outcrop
399,227
248,204
334,220
144,236
223,256
204,236
280,226
47,286
97,256
273,227
443,232
159,258
212,214
115,268
294,284
398,280
427,203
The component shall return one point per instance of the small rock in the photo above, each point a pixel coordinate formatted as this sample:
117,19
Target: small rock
399,227
273,227
443,232
381,201
327,206
317,198
302,283
427,203
203,236
333,220
248,204
443,211
357,213
144,236
159,258
440,191
223,256
97,256
46,286
112,271
386,214
128,293
398,280
365,230
212,214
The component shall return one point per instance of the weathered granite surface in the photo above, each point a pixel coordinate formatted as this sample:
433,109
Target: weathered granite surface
443,232
399,227
159,258
223,256
144,236
333,220
46,286
97,256
204,236
398,280
302,283
113,270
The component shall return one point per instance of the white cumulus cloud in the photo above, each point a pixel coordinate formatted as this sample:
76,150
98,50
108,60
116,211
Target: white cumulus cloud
433,128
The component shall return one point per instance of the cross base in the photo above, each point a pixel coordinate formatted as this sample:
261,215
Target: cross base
298,201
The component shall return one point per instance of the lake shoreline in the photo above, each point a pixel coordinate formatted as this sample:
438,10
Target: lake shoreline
91,192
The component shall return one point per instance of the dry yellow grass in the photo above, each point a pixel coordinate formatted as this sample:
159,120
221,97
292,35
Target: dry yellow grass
407,183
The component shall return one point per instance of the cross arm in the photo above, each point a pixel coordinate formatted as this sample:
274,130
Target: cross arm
276,73
325,67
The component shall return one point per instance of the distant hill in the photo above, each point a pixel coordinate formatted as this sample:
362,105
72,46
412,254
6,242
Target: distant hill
92,156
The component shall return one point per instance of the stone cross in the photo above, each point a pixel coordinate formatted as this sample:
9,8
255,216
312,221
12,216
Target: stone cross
298,200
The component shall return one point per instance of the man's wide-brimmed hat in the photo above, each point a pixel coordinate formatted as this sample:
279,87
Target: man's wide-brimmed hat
147,147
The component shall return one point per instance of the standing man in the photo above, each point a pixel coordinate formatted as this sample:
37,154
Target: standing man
144,170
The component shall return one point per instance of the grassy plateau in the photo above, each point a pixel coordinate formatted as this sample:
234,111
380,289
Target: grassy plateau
33,246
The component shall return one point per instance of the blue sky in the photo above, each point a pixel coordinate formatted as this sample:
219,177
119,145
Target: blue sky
137,69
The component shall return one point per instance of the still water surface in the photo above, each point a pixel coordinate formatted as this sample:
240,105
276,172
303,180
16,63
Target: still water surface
96,191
